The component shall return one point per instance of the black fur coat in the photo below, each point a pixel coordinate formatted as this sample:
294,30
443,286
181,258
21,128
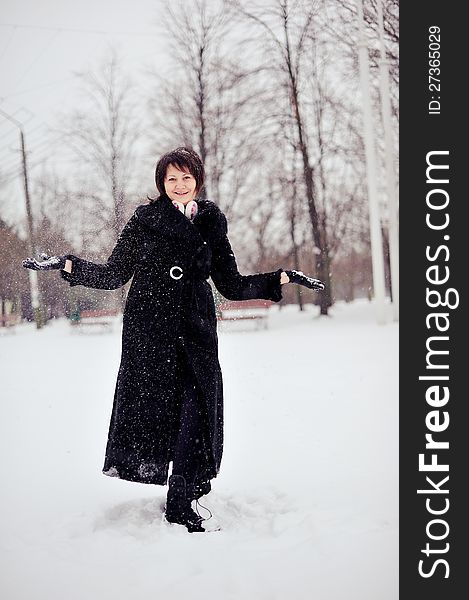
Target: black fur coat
169,314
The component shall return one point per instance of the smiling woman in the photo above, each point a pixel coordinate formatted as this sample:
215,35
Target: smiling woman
181,180
168,400
180,185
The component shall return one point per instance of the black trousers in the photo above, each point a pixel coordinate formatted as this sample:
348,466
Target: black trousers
189,456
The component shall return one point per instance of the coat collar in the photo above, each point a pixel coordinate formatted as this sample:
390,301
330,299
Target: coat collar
162,216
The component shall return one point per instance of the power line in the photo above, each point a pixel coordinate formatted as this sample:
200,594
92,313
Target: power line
10,168
8,177
36,58
39,127
76,30
6,136
38,87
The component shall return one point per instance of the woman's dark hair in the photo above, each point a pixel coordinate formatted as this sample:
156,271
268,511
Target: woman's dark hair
184,159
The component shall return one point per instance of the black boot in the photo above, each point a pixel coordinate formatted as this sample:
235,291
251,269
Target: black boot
178,506
198,489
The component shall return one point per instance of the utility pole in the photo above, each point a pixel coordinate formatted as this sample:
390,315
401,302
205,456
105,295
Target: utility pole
33,279
389,163
374,212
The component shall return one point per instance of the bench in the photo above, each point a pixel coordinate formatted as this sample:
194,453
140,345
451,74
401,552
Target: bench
9,321
102,318
242,310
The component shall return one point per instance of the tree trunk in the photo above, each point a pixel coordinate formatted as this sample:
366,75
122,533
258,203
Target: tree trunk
319,235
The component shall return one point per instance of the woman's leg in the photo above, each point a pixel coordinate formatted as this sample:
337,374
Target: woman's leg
190,451
189,455
188,459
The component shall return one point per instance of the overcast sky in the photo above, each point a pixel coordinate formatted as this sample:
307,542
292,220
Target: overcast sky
42,43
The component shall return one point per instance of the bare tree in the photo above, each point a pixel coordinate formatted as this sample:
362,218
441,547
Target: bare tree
289,178
183,105
103,136
317,80
286,26
294,218
208,97
14,285
345,13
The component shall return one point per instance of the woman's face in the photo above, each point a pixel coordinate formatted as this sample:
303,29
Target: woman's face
179,185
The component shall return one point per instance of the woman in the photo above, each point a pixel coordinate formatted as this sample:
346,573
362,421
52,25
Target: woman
168,400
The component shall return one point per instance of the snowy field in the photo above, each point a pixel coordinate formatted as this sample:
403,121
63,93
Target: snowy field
307,495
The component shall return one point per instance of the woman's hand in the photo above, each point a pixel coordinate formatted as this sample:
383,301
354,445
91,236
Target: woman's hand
46,263
301,279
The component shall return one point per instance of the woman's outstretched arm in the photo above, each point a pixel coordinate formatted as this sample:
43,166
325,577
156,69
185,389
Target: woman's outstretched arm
118,268
235,286
229,281
112,274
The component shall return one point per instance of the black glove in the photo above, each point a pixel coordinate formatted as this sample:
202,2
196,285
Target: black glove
46,263
301,279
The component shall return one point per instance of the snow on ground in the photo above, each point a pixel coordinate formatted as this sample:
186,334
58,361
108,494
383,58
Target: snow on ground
307,494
